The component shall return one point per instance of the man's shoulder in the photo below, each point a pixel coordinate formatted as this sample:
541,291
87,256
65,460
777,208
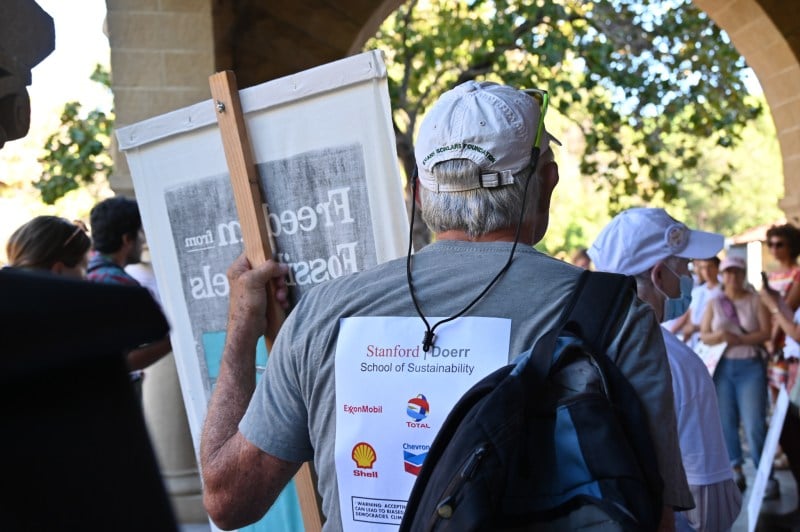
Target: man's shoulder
103,270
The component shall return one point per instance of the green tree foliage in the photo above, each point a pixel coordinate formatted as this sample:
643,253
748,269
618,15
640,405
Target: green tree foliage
642,79
745,199
77,153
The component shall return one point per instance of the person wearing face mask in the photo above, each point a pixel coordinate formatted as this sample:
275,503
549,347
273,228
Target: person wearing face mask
738,318
655,249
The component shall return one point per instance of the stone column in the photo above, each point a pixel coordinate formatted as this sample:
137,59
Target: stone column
162,52
161,56
169,431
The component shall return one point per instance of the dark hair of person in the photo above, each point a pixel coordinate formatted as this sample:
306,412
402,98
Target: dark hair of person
790,234
110,220
581,253
46,240
713,259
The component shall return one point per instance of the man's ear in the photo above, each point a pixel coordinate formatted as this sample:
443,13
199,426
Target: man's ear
547,183
657,275
57,267
129,241
548,179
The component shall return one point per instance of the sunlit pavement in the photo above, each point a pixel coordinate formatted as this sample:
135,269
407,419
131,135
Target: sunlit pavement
769,519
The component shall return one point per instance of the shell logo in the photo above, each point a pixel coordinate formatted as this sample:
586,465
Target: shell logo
364,455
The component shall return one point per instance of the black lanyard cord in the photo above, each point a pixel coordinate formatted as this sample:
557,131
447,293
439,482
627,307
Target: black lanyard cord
429,337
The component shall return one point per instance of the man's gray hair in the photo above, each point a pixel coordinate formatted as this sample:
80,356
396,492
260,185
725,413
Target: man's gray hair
476,212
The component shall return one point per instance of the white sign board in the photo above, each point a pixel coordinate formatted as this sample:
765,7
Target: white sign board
324,148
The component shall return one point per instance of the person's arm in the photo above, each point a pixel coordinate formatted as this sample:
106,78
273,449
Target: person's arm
781,313
681,322
708,336
667,523
143,356
756,337
793,295
240,481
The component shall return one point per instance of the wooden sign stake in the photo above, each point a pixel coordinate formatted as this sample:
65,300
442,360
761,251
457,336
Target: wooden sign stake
257,239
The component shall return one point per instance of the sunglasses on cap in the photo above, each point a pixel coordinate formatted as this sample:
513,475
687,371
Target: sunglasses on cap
543,99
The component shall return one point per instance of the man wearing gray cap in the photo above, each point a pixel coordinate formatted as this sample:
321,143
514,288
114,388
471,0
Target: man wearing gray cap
366,367
655,249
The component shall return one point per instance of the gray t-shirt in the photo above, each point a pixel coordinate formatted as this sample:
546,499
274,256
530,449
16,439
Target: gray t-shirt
292,413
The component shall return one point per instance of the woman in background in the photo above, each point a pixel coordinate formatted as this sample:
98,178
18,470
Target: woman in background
738,318
50,243
783,242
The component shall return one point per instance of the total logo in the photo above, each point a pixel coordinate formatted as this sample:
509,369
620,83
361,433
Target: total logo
418,409
364,456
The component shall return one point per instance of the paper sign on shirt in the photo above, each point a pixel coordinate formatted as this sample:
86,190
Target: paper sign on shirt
391,400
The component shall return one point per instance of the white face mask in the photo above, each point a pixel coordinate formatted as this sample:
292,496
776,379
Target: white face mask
675,307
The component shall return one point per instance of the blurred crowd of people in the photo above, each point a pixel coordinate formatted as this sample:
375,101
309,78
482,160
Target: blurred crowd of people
111,253
756,330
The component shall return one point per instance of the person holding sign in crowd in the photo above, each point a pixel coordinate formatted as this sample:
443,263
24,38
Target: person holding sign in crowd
367,366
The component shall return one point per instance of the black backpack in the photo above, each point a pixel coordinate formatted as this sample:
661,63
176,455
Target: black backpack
557,440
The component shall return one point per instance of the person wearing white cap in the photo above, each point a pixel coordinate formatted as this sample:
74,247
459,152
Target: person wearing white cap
738,318
655,249
367,366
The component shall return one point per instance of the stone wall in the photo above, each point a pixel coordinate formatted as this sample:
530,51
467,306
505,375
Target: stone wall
161,56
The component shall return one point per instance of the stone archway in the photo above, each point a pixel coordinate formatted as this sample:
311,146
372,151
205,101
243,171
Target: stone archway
767,34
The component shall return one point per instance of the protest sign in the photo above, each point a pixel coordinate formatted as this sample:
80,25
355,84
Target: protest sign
324,149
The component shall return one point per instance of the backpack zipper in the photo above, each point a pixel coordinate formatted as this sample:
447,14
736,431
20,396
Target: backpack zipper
445,509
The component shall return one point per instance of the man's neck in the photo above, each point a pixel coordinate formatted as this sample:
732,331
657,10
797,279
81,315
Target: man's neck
501,235
119,258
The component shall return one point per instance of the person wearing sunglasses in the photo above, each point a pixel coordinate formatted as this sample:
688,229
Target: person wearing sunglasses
366,366
50,243
783,242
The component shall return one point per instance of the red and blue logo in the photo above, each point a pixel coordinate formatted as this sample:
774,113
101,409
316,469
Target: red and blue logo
413,458
418,408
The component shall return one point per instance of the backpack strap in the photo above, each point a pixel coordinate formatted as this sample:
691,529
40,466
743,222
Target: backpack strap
597,303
